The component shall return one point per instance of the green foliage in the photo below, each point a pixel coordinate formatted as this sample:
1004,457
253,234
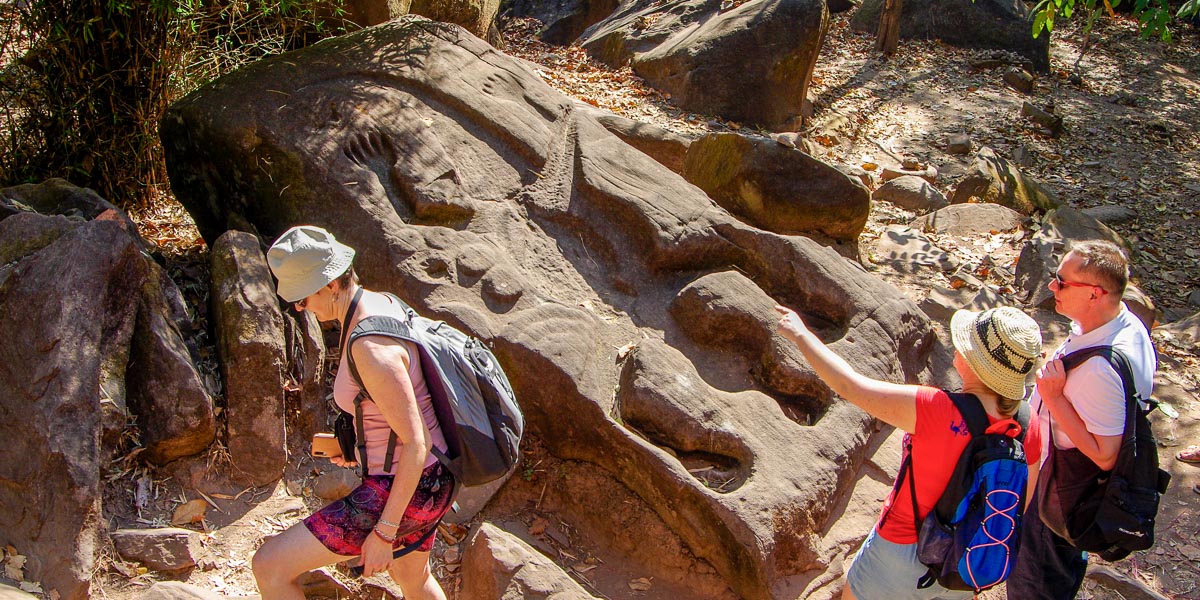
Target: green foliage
83,83
1154,16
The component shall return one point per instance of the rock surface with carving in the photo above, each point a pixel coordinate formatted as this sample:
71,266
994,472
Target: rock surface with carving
482,197
750,63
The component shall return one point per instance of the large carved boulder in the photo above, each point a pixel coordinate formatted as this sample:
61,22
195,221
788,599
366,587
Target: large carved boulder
751,63
778,188
998,24
631,313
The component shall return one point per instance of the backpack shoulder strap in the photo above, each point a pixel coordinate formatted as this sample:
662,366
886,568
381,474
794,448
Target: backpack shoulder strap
972,411
374,325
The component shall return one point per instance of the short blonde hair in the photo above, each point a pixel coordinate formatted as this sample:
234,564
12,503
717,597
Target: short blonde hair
1106,262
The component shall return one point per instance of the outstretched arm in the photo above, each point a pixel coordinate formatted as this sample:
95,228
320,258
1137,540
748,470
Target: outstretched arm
892,403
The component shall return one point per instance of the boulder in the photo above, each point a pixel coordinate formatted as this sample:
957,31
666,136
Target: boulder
970,219
1111,214
94,345
8,592
476,16
166,549
249,331
1186,331
177,590
911,192
777,188
1019,79
335,484
498,564
751,63
996,180
928,173
526,223
1140,305
65,287
174,410
959,143
305,378
563,20
999,24
1040,256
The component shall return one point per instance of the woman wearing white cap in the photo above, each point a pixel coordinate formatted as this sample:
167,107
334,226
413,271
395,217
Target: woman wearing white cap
398,503
994,351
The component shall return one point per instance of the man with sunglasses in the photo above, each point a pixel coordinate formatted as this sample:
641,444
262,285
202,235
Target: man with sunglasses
1083,409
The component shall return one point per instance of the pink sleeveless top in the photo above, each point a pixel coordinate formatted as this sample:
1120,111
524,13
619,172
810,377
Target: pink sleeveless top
375,427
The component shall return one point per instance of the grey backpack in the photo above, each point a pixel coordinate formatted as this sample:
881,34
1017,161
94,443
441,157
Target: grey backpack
474,402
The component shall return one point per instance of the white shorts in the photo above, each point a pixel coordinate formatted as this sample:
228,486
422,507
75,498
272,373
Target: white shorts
885,571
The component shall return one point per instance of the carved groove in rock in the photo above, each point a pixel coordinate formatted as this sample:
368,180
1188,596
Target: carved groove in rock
668,409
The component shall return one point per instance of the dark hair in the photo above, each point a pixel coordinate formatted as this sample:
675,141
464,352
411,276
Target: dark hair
1106,262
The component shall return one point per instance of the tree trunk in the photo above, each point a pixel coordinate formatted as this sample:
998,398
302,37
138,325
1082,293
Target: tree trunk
888,35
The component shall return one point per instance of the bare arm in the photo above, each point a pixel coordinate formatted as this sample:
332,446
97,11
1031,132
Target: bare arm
1032,483
893,403
383,366
1101,449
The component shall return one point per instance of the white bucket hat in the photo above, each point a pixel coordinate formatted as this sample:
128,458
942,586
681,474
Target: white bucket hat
304,259
1001,345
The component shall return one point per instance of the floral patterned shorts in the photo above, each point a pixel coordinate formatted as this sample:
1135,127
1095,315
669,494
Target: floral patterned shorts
344,525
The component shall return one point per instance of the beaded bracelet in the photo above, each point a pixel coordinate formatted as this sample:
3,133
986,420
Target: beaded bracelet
385,538
383,521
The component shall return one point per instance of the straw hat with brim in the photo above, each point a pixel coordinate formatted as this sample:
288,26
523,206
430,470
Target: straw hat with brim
304,259
1000,344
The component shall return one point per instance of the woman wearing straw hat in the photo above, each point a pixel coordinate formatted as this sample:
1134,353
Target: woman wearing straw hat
993,352
398,503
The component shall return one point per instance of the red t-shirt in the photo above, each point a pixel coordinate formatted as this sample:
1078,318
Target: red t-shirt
939,440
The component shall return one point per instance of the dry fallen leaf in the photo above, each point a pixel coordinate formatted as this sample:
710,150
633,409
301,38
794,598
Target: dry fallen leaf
641,584
14,564
190,512
539,526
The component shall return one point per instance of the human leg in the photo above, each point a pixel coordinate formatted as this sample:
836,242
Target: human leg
412,573
283,558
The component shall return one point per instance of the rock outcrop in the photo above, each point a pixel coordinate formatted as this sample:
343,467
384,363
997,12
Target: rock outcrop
89,345
997,180
607,285
750,63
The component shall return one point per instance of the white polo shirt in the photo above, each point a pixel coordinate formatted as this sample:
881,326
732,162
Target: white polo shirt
1094,388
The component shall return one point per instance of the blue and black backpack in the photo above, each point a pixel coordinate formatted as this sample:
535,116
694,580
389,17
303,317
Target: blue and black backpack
969,540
